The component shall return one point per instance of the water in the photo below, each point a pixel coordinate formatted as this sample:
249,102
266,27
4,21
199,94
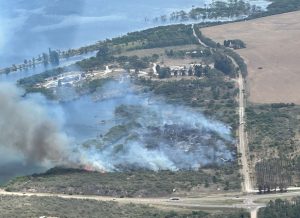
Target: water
39,68
28,28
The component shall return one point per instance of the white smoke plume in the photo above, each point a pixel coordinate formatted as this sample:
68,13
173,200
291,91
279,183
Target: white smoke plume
151,134
139,132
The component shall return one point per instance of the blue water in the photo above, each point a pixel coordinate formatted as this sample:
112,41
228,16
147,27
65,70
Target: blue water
30,27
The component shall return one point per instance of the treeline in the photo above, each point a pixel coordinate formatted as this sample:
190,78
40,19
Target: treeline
39,78
51,58
151,38
217,9
234,43
234,9
278,7
197,70
272,127
238,59
224,64
281,209
105,55
207,41
273,174
235,56
158,37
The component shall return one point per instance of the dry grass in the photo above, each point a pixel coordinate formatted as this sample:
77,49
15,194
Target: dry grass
272,44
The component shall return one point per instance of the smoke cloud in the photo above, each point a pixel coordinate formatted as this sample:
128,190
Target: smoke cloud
27,129
145,132
137,130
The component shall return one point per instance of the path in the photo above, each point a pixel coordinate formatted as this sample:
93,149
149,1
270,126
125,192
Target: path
242,147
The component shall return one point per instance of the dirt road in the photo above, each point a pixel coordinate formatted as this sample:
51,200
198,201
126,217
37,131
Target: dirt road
199,40
242,145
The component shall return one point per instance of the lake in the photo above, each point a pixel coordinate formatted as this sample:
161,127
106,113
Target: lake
28,28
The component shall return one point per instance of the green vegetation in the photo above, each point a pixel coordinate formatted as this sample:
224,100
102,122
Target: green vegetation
128,184
222,50
215,10
279,7
238,9
29,82
238,59
273,126
234,43
273,173
281,209
157,37
91,86
273,132
225,65
211,94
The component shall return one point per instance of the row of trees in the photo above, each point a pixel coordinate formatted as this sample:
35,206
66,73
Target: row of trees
281,209
197,70
217,9
162,36
235,44
273,173
224,64
51,58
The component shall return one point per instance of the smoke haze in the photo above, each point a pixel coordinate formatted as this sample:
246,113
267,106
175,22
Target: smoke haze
136,130
142,131
28,131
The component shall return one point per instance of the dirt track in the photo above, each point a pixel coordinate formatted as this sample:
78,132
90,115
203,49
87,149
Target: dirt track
273,45
242,146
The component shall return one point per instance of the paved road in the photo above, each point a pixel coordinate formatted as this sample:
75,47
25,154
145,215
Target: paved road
229,200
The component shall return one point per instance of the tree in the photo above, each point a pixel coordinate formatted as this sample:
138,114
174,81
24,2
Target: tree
190,71
157,68
54,57
164,72
272,174
45,59
198,70
224,64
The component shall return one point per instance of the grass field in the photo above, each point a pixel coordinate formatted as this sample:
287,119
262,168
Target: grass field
272,55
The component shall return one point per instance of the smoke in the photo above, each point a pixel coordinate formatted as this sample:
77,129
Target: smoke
28,131
137,130
148,133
